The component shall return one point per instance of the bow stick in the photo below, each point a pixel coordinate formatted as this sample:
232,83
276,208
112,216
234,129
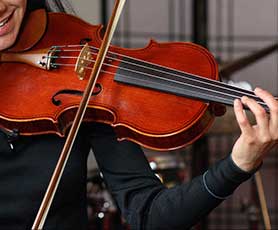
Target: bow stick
261,194
56,177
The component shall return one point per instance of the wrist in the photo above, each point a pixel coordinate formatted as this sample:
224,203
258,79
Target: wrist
224,177
245,165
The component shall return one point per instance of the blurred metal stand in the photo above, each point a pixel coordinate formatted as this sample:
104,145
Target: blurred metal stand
227,69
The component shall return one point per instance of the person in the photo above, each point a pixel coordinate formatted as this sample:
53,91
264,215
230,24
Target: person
25,169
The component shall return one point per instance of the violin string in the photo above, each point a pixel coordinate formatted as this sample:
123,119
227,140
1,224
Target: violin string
250,95
199,79
232,88
231,99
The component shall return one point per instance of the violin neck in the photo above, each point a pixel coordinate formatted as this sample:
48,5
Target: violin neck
182,84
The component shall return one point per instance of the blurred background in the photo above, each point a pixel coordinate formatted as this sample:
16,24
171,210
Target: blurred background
242,35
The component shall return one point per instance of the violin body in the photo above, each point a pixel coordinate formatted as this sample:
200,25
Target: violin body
154,119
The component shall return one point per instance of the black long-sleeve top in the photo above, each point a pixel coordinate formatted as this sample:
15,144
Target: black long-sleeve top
146,204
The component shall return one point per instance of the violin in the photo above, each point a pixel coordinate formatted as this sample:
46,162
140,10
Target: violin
158,96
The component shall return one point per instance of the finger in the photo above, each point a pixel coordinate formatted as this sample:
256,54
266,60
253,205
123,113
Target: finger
261,117
272,104
241,118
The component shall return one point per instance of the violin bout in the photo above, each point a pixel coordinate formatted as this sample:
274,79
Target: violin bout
156,119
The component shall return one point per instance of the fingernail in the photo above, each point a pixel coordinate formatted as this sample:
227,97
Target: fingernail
244,98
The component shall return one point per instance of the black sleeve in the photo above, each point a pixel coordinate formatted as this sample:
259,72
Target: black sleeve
143,200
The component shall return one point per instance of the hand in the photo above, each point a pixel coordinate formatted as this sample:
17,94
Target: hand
255,141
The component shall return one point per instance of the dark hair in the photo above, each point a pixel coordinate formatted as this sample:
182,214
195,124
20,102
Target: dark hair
35,4
51,5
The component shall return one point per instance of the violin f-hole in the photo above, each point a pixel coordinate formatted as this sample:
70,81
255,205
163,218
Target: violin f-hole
57,102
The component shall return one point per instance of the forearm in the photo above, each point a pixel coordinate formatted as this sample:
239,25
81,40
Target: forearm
145,202
184,205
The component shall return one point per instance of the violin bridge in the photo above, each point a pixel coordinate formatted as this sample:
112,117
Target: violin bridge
83,61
